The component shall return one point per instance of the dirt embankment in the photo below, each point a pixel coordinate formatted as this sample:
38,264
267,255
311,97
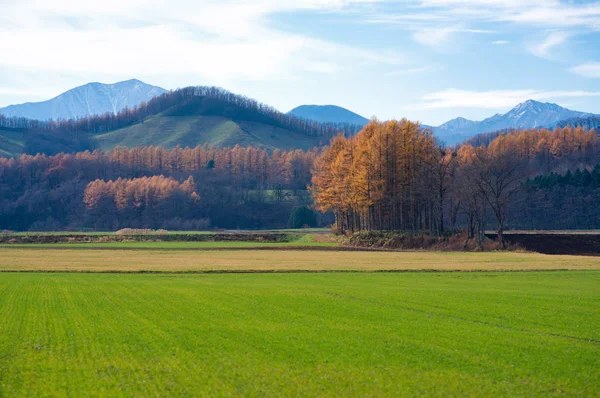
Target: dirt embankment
82,238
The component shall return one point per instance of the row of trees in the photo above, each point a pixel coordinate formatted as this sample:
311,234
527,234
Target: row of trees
542,146
256,168
394,176
579,179
237,187
152,202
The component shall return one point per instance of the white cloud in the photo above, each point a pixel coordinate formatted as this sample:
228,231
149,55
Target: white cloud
559,15
553,40
433,36
500,42
485,3
493,99
410,71
428,17
550,13
218,41
590,69
433,21
440,36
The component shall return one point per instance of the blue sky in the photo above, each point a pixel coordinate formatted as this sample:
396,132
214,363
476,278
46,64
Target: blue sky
428,60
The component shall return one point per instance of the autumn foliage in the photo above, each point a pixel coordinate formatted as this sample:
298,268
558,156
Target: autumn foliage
380,179
395,176
150,200
391,176
150,187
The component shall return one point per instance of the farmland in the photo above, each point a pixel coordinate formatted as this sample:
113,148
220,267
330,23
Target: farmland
299,316
436,334
244,259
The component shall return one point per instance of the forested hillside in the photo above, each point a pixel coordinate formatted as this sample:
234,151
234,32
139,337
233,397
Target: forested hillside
187,117
151,187
590,122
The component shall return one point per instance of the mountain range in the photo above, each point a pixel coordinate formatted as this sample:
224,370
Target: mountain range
89,99
328,114
206,118
526,115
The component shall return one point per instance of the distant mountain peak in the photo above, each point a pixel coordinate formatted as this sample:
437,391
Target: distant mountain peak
328,114
536,106
527,114
531,102
457,123
89,99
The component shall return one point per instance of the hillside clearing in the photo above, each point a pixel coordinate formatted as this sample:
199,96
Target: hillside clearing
214,131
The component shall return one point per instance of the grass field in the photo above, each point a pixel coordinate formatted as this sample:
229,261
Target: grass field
81,259
431,334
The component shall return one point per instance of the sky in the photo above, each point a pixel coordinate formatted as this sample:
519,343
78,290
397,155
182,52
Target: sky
427,60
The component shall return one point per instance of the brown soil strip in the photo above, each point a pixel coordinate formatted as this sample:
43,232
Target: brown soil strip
281,261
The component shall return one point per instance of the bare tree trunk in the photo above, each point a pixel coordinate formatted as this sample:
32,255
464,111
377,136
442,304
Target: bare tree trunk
501,236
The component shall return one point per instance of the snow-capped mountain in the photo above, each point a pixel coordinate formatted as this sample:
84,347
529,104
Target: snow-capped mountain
528,114
89,99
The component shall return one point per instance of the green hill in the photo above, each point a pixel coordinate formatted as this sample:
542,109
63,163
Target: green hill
186,117
216,131
205,120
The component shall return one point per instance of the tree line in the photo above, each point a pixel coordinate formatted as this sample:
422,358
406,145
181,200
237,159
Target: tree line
149,201
585,178
236,187
391,176
394,176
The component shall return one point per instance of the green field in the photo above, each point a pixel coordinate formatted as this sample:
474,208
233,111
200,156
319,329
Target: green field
360,334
